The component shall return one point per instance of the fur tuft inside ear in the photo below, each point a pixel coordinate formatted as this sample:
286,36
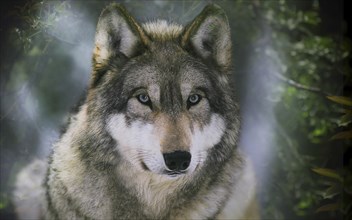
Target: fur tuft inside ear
209,36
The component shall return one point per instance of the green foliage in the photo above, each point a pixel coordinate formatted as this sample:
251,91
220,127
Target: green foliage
340,185
311,65
328,173
341,100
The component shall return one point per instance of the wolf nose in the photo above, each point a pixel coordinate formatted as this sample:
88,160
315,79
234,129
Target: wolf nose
177,160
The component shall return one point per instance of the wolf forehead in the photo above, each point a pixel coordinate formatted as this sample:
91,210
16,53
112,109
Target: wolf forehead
176,74
166,65
163,30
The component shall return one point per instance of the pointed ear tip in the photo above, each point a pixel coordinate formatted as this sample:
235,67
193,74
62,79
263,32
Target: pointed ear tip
213,5
214,9
113,7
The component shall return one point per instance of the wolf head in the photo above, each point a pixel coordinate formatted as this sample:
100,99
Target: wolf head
160,91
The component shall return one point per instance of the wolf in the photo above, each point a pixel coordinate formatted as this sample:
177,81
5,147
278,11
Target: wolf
156,137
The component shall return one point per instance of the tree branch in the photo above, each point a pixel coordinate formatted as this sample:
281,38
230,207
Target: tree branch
300,86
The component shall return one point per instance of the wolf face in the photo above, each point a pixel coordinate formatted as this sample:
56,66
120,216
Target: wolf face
161,90
167,124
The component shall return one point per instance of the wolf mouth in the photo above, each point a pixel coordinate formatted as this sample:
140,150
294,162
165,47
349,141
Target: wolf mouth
174,173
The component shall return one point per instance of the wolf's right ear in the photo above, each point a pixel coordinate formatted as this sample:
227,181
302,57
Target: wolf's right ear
117,35
208,35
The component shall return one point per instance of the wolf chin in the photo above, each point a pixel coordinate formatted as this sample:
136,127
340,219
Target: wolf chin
156,137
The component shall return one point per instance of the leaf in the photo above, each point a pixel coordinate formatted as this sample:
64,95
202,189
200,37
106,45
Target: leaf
342,135
346,119
332,191
328,208
341,100
328,173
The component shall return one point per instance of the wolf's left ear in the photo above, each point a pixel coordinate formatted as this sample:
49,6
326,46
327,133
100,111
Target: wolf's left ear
117,34
209,36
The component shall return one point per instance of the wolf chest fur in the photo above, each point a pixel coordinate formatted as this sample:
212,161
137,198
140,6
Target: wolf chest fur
156,137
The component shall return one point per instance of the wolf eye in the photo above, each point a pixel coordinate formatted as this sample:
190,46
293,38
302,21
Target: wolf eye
193,100
143,98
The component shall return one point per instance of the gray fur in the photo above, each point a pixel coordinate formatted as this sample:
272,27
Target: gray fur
89,174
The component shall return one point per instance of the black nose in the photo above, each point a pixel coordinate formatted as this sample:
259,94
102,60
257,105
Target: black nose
178,160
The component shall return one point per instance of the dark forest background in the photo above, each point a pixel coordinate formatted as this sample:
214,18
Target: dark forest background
291,72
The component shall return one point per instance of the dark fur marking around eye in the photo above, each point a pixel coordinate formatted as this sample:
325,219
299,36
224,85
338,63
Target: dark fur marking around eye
144,99
193,100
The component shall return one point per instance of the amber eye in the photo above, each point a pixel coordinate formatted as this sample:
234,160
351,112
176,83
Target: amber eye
143,98
193,100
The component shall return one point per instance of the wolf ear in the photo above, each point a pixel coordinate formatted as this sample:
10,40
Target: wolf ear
208,35
117,35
